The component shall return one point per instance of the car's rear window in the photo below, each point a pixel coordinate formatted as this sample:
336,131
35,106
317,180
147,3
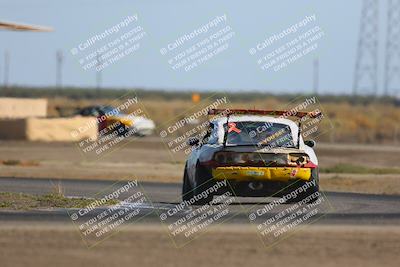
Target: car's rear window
258,133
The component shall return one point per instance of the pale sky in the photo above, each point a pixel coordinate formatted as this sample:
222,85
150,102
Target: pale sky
33,54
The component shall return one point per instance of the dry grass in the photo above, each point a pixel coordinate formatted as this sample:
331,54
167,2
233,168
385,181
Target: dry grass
349,168
344,122
19,201
57,188
17,162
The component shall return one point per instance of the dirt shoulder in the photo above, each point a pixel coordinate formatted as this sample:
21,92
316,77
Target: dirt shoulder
361,183
139,245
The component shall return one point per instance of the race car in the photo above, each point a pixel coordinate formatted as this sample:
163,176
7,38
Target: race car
139,125
259,153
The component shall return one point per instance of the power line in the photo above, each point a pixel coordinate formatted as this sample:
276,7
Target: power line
98,71
366,69
392,52
316,76
6,68
59,62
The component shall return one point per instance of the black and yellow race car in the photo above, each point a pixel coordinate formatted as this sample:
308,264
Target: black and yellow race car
258,153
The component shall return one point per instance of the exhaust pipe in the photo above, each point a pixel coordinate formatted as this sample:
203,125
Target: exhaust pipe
255,185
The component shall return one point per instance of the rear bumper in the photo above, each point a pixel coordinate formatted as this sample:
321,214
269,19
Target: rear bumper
261,173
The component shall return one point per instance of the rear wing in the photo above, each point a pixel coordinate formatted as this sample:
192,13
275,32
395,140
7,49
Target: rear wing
281,113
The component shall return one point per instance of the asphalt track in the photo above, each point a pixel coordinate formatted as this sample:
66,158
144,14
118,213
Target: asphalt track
344,208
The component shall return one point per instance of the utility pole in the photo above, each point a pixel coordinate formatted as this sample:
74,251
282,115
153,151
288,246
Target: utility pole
59,61
316,76
392,52
366,69
6,68
98,71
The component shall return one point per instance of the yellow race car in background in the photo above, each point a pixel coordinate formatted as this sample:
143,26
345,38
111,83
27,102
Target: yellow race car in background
139,125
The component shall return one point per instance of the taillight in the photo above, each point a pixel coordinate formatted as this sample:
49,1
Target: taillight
229,157
220,157
268,159
298,159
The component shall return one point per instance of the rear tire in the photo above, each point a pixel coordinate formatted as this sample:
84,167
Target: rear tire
203,182
187,190
309,191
